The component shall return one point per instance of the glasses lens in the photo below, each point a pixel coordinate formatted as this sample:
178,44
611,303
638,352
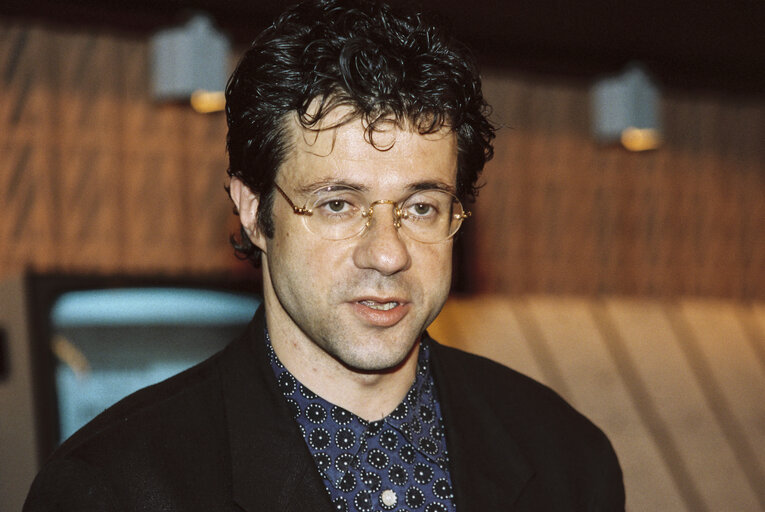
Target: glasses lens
431,216
428,216
336,213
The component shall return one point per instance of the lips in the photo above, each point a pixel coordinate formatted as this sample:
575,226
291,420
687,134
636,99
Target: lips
381,312
385,306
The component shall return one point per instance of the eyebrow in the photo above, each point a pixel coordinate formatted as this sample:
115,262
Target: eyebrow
432,185
330,183
345,184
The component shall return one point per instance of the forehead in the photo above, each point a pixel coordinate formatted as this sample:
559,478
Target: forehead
389,156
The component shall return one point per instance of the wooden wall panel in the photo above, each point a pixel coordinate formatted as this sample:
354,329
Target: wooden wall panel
560,214
95,176
27,220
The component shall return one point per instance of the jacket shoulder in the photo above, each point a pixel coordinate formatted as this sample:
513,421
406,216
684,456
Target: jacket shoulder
165,447
503,388
571,457
146,448
158,403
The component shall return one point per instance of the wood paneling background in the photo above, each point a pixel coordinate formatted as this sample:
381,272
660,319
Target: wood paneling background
96,177
560,214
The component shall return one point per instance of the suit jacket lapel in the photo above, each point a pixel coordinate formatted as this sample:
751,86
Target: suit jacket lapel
271,466
488,467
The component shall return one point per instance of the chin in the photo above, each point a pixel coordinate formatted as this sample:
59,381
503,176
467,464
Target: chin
377,361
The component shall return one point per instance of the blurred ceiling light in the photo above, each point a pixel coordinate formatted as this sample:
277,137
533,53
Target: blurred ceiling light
206,102
625,108
188,58
640,139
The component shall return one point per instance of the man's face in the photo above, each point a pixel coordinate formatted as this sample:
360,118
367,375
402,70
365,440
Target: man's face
366,300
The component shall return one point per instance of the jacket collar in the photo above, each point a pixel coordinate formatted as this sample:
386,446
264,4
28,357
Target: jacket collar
271,468
488,467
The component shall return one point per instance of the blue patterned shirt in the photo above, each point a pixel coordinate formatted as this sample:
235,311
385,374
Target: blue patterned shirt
398,463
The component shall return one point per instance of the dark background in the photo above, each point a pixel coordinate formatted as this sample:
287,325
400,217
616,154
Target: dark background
714,44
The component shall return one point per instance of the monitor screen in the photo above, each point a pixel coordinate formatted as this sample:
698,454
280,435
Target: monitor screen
108,343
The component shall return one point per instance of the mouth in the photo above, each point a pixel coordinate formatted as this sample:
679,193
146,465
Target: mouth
379,306
381,311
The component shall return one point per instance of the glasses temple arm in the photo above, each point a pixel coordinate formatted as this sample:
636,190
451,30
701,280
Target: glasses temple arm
297,209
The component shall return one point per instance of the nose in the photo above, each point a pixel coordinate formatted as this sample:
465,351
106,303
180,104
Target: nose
382,247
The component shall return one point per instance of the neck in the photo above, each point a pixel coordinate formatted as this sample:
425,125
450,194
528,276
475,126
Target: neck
371,395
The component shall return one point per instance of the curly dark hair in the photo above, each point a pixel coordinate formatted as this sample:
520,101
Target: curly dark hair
380,63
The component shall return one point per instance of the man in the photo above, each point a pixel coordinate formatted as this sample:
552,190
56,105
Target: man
356,135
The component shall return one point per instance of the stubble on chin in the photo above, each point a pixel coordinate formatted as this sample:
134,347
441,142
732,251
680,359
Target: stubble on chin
359,350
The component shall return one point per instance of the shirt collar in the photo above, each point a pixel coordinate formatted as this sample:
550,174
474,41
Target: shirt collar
410,417
418,404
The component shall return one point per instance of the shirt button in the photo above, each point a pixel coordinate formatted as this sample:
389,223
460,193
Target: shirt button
389,498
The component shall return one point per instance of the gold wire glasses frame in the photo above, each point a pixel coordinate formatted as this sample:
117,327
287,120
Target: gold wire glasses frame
341,212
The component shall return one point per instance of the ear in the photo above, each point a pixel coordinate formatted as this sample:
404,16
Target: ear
247,203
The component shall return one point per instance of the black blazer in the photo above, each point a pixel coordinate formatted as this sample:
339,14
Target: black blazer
219,437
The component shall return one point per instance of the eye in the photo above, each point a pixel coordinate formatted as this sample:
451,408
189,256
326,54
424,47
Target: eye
334,206
422,209
336,199
337,205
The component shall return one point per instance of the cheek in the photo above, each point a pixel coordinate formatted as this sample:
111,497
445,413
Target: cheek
434,262
307,258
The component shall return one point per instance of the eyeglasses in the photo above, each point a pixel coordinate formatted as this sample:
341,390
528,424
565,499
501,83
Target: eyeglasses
339,212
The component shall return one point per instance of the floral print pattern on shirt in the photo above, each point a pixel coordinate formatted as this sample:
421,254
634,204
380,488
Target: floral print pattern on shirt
399,463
